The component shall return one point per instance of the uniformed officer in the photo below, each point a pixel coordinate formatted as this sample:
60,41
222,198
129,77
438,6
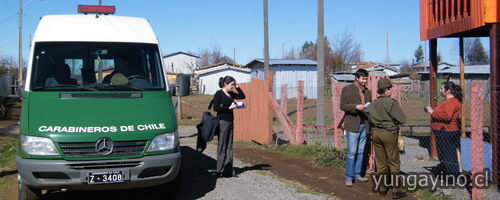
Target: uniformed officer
385,115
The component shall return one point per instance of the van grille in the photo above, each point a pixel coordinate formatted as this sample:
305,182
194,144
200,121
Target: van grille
104,165
88,149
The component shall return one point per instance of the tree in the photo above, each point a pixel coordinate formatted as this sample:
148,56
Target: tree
291,54
213,56
8,65
345,51
419,55
309,51
406,68
476,55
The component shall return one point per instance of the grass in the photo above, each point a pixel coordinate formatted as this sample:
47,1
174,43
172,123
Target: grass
325,156
427,194
8,172
7,153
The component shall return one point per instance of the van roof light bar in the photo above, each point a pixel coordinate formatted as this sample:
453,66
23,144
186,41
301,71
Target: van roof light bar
96,9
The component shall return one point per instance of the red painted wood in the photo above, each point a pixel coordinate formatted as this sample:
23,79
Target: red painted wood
337,116
477,135
439,17
281,119
284,98
254,122
300,113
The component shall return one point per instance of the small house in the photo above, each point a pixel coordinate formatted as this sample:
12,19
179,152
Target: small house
288,71
180,63
208,77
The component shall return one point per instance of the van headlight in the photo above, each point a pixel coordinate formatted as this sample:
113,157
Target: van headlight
164,142
38,146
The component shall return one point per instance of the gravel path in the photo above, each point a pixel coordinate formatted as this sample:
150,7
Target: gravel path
248,185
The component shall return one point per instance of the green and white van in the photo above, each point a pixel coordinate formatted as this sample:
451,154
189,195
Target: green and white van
87,123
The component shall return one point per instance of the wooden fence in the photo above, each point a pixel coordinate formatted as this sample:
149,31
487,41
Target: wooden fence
254,123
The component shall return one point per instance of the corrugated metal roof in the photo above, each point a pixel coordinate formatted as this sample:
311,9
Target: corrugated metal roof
343,77
221,67
274,62
470,69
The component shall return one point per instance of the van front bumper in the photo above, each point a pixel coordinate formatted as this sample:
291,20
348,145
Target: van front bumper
73,175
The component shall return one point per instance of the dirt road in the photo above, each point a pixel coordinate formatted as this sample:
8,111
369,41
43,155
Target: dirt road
196,183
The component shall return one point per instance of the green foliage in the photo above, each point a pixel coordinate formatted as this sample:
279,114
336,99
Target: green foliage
329,157
322,155
419,54
476,55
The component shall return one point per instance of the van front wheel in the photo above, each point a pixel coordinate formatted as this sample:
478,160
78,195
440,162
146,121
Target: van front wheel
26,193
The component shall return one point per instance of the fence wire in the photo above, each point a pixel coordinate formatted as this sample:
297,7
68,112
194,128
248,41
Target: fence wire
438,152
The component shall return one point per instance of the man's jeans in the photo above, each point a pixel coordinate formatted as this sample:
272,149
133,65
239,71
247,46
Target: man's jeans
355,149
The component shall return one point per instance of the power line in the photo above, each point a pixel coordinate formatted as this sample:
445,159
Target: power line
7,18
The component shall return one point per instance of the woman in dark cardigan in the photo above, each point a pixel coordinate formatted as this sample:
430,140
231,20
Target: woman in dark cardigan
224,104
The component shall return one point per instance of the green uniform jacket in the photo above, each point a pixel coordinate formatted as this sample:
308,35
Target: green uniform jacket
349,98
385,113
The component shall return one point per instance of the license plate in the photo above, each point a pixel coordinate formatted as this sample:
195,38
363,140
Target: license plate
105,177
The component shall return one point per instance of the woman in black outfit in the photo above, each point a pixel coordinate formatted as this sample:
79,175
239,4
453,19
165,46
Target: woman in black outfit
224,104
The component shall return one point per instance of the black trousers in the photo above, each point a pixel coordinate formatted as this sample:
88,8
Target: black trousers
225,148
447,144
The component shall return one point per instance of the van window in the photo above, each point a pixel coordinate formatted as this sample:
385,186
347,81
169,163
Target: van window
96,66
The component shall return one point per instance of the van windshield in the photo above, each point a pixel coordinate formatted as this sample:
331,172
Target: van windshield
96,66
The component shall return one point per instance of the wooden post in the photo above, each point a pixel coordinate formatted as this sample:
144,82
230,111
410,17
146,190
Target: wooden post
300,114
179,113
337,116
477,136
433,85
269,78
494,99
284,99
462,85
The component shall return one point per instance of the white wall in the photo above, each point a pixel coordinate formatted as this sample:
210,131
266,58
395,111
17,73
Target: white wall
181,63
291,75
209,82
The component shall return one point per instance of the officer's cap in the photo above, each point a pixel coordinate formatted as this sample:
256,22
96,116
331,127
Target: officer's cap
384,83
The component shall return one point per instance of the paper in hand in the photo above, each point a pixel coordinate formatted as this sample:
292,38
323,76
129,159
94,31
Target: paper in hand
366,106
240,105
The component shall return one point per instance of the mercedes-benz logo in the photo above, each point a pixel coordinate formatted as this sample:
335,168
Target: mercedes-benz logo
104,146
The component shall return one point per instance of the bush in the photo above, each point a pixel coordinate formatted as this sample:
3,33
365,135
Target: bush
327,156
322,155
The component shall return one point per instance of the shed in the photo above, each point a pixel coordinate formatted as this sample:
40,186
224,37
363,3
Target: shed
472,73
288,71
208,77
180,63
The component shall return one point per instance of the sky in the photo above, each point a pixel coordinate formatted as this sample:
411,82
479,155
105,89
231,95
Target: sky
237,26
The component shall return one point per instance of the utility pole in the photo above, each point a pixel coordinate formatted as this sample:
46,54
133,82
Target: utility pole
320,103
266,42
20,56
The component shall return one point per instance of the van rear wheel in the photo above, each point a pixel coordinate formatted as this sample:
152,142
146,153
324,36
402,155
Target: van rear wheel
26,193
